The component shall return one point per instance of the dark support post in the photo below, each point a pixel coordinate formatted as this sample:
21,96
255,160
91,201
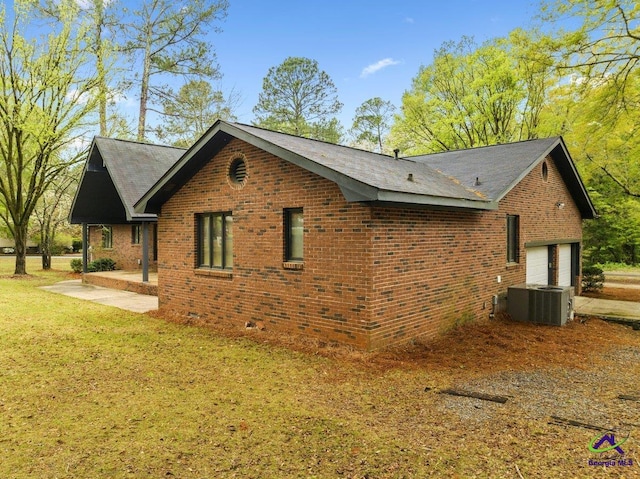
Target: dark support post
145,252
85,246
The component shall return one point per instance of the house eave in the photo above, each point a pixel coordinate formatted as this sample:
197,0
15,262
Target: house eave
426,201
375,197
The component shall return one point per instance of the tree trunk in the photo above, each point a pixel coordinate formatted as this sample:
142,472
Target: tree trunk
20,236
46,241
144,89
102,87
46,259
45,246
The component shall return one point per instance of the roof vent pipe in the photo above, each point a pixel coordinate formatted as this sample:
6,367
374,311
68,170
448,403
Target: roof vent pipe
477,183
395,152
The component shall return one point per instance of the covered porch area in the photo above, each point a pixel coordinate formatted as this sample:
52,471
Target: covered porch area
115,176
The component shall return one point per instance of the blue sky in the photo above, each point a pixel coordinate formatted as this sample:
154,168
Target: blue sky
368,48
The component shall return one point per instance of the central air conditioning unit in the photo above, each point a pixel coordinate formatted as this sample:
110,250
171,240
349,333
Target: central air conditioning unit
540,304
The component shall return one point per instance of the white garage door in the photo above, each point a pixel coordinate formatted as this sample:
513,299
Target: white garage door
564,265
537,265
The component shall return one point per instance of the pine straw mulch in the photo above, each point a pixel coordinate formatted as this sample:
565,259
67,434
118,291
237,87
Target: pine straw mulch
476,348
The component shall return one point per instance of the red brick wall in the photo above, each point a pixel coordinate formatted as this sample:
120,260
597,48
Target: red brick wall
372,276
327,298
435,269
123,251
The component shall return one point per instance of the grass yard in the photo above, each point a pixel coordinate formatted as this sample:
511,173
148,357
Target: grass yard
90,391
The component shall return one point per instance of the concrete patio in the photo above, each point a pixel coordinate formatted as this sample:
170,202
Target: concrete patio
124,280
130,301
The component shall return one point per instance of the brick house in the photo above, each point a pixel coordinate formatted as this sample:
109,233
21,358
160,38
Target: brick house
356,247
116,175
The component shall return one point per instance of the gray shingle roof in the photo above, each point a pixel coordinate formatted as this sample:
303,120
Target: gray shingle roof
379,171
135,167
497,168
439,180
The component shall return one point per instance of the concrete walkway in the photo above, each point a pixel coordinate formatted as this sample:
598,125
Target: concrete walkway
139,303
627,312
619,311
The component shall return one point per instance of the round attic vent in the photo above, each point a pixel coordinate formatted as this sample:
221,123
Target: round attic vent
545,171
238,171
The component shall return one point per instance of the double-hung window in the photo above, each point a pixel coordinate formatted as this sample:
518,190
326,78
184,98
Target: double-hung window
215,240
513,240
294,235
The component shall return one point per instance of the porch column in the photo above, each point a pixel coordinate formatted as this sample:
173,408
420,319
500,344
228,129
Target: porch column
85,247
145,252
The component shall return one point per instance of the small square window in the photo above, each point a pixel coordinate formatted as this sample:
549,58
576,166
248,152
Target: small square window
294,234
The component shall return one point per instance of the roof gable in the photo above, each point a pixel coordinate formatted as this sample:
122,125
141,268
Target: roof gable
116,175
495,170
439,180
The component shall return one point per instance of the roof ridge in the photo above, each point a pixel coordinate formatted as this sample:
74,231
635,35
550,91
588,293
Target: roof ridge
315,140
513,143
137,142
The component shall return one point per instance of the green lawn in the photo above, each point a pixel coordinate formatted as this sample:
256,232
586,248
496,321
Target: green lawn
90,391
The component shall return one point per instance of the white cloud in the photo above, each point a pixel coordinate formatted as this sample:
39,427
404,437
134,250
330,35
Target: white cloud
374,67
87,4
120,99
74,96
409,20
79,143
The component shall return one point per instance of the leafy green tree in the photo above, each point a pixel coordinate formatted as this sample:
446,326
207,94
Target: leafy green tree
299,98
167,38
372,122
615,235
604,140
472,96
602,55
100,20
51,211
330,131
533,54
191,111
605,45
47,90
599,110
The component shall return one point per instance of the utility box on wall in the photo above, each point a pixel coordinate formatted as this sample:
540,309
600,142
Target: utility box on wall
540,304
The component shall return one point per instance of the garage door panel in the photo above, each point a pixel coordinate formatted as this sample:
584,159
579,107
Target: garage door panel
564,265
537,265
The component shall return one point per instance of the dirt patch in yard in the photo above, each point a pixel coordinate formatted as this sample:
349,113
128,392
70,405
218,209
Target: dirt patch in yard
618,294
